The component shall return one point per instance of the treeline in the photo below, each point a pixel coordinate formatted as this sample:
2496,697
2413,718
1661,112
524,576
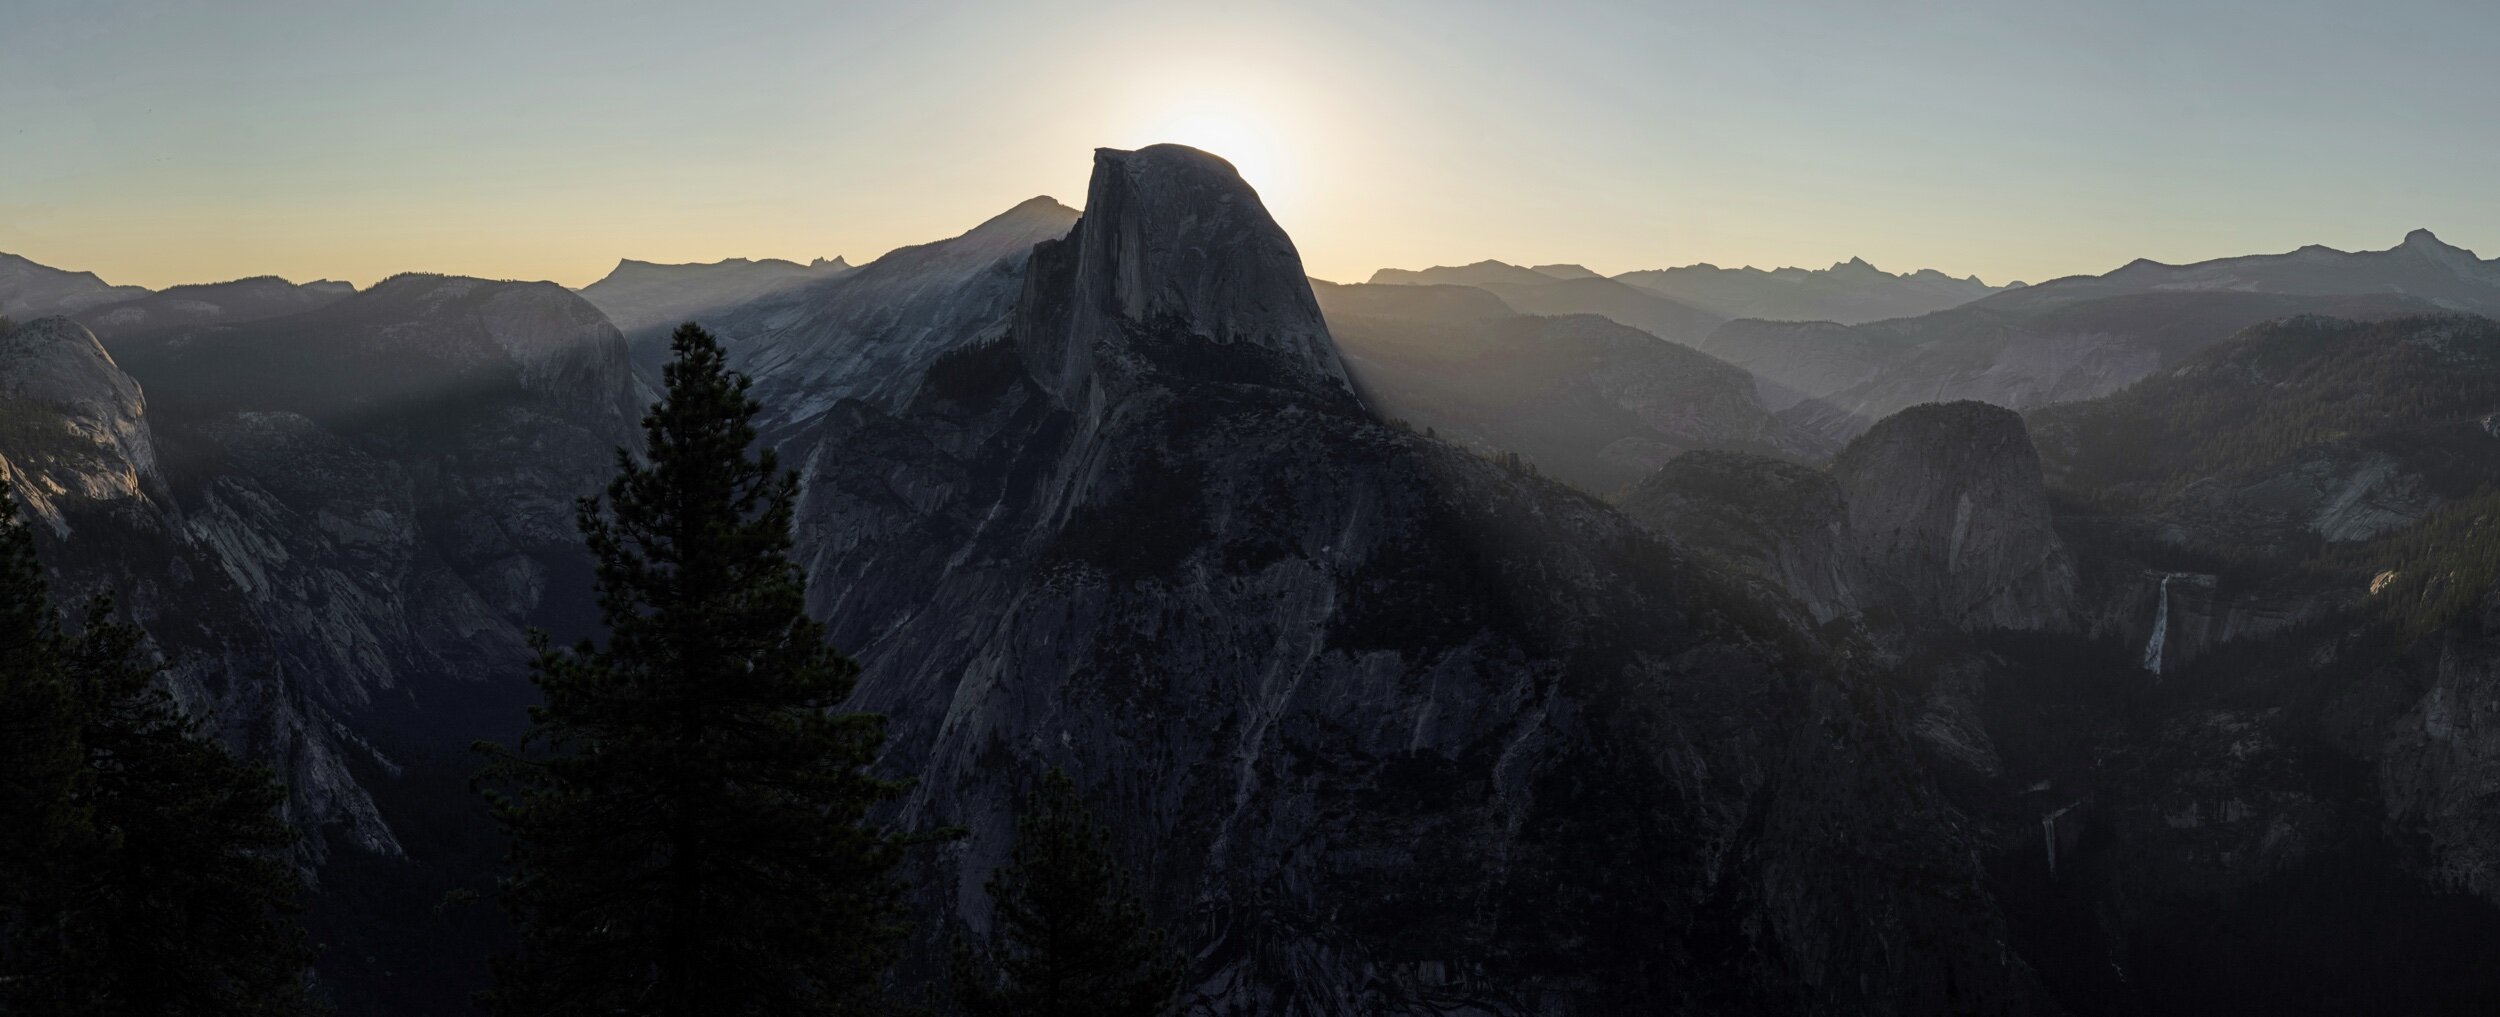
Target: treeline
2284,387
2433,572
143,871
690,814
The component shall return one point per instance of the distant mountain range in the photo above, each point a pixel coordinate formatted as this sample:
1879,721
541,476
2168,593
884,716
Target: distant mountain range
1850,292
1568,289
1688,302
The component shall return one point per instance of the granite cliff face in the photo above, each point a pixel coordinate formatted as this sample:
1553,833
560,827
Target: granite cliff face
1182,270
1391,729
872,333
77,424
336,524
1950,519
1788,524
1936,516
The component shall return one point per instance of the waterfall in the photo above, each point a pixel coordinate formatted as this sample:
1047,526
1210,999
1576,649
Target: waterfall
2049,832
2161,629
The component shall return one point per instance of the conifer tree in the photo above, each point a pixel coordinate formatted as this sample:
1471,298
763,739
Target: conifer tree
163,877
688,808
39,755
182,893
1068,936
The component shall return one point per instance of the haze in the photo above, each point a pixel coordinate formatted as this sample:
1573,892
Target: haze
160,143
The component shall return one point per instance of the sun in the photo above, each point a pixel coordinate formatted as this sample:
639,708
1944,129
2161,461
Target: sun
1241,138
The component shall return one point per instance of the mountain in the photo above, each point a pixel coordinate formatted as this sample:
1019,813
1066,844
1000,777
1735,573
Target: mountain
1564,291
2423,269
1834,381
1563,271
368,504
1848,293
29,290
646,301
873,333
198,306
1591,402
1377,717
2085,336
73,427
2300,430
1938,515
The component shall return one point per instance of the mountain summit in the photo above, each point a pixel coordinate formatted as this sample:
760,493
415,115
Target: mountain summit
1177,266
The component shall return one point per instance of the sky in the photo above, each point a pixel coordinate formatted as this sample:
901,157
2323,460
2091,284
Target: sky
162,143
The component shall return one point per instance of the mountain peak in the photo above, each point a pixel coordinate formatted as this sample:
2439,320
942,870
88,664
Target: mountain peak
1564,271
1175,266
2423,238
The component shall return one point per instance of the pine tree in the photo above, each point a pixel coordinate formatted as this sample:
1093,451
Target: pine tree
1067,935
163,877
182,895
688,809
39,761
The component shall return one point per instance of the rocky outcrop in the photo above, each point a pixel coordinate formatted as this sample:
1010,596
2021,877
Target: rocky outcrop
1937,516
1950,519
1179,269
75,425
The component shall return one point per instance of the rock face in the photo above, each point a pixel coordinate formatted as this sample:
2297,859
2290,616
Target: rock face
390,477
1848,293
1950,519
77,425
1594,403
1937,516
1180,260
1789,523
29,290
1389,729
361,507
872,334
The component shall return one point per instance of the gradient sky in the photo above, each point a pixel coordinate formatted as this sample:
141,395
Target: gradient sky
158,143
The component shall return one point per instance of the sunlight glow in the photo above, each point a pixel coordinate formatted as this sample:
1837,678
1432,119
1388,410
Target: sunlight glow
1239,136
